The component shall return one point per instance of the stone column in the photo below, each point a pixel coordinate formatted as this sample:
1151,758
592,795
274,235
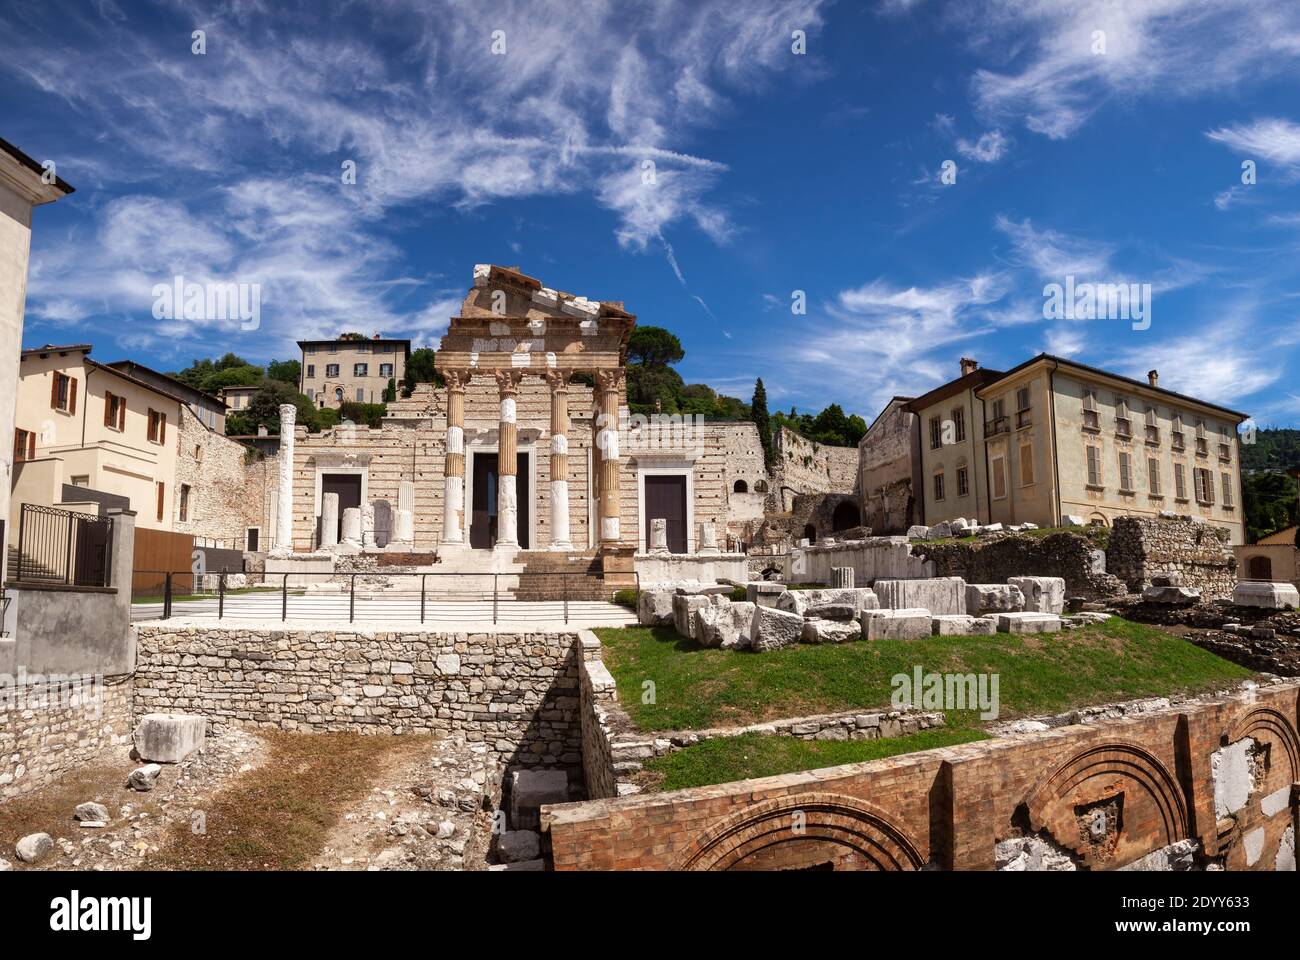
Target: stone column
507,460
284,511
559,384
658,535
453,499
607,384
404,515
708,543
329,520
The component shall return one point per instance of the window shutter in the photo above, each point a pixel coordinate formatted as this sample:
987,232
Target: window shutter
31,446
72,395
108,409
54,391
160,500
162,428
121,415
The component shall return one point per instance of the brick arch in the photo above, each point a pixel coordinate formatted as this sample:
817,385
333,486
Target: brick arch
1273,725
1126,779
843,824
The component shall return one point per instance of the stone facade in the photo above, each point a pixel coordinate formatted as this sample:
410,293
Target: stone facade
805,466
516,692
52,730
1072,557
1181,773
888,458
214,470
1199,555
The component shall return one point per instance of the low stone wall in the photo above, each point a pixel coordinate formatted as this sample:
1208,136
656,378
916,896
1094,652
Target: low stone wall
1105,795
517,692
706,568
872,559
1197,552
1073,558
47,730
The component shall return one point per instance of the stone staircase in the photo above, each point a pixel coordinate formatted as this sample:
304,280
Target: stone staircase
540,580
30,566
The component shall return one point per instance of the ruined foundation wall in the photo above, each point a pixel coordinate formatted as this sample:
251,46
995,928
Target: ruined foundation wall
1105,795
1198,552
45,733
1072,557
517,692
213,468
805,466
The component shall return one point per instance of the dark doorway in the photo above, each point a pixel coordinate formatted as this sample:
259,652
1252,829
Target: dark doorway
348,487
252,541
1259,568
483,516
846,516
810,533
665,499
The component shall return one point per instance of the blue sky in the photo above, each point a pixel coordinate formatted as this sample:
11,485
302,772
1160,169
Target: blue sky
774,172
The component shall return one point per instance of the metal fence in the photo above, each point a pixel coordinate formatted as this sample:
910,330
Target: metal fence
450,598
61,546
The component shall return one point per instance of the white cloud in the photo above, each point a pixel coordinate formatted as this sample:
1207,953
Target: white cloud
989,148
1052,254
1271,139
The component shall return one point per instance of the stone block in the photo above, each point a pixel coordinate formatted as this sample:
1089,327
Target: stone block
1171,595
685,607
144,778
918,532
1028,622
169,737
831,631
516,846
654,606
939,595
764,592
962,625
832,611
800,601
1270,596
34,847
982,598
772,629
529,790
1042,594
724,624
903,624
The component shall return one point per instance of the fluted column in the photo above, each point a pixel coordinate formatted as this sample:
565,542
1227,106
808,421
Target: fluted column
284,505
607,386
559,384
507,460
453,498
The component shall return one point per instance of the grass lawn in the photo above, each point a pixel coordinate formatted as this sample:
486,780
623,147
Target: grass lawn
755,755
698,687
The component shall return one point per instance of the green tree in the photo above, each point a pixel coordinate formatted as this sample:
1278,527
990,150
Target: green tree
264,408
758,410
419,369
289,371
210,376
390,391
654,347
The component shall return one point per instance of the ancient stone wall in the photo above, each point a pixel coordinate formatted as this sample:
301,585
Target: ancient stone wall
1211,779
260,492
214,469
804,466
517,692
1074,558
886,458
742,454
47,730
1197,552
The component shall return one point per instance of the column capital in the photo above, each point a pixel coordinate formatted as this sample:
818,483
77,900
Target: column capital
456,379
508,381
610,379
556,380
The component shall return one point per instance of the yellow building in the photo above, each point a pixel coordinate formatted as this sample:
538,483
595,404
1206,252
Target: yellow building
88,433
1053,438
358,370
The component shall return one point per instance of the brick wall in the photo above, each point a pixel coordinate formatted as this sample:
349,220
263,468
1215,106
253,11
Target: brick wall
1219,772
516,692
46,730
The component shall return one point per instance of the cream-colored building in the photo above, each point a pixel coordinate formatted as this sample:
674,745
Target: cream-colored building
24,184
334,371
237,399
1053,438
84,424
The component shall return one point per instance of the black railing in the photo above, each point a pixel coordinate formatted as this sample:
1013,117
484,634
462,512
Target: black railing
997,425
60,546
448,597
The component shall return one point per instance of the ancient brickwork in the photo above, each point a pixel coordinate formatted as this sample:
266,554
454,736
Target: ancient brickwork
213,468
47,731
516,692
1106,794
1197,552
804,466
1070,556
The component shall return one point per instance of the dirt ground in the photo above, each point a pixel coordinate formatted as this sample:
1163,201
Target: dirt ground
272,801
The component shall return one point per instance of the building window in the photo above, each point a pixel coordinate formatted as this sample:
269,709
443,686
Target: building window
938,486
185,502
161,489
24,446
361,394
360,369
311,370
1027,465
1094,466
999,468
63,393
1153,476
81,480
999,422
1225,444
252,538
1091,416
1180,481
385,369
740,487
1123,426
1024,416
157,426
114,412
1152,426
1204,486
936,433
1227,490
1125,473
338,394
1177,432
1202,443
331,369
963,482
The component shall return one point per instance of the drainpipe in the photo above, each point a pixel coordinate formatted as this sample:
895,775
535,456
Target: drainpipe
1056,461
988,491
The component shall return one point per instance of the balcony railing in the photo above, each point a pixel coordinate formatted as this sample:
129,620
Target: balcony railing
1123,428
997,425
1024,418
1091,421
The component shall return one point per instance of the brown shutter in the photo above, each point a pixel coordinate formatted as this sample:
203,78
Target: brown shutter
72,395
153,425
108,409
162,428
121,416
160,501
31,446
20,444
54,391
